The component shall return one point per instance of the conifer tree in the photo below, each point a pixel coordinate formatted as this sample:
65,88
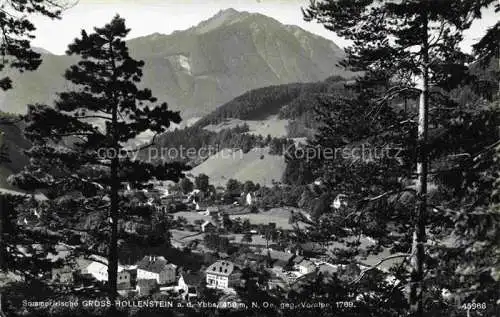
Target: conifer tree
406,49
81,144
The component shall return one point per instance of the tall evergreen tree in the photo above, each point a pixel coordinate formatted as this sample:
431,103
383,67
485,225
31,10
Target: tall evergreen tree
411,48
81,144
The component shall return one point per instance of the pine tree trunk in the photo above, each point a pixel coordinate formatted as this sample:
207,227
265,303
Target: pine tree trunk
3,216
417,276
113,243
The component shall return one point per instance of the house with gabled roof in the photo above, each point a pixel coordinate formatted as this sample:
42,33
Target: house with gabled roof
158,268
99,271
279,259
305,267
223,275
208,226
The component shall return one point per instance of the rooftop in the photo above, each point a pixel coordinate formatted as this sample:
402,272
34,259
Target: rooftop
192,279
206,223
152,263
308,264
278,255
221,267
145,283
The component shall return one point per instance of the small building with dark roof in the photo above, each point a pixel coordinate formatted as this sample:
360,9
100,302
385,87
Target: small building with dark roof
146,287
124,279
311,249
297,259
208,226
279,258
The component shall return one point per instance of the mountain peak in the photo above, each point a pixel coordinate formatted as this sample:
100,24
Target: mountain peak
227,13
222,17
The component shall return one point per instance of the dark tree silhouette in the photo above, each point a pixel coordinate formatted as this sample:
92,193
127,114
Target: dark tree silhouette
81,144
17,32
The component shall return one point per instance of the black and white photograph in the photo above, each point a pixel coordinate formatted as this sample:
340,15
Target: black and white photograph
261,158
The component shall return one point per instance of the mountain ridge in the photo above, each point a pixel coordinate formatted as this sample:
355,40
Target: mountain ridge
200,68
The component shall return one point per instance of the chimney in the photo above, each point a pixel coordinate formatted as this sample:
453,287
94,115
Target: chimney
150,258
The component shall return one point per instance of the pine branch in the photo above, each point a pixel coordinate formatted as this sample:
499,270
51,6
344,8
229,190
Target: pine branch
456,212
93,116
472,158
390,94
388,193
153,142
438,37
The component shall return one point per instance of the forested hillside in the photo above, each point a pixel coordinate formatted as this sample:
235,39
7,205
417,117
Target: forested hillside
12,149
293,102
289,101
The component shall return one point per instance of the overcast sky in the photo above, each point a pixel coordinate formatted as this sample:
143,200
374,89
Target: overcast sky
165,16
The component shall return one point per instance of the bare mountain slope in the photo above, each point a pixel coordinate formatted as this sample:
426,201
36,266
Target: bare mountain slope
198,69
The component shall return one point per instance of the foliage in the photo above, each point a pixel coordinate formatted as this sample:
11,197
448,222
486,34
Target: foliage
186,185
102,110
201,182
215,242
17,32
399,45
247,238
233,187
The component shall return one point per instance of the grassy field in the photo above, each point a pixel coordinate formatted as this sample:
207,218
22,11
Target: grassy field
182,234
257,165
191,216
256,239
270,126
280,216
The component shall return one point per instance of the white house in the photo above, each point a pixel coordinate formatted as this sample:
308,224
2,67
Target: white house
165,193
99,271
249,199
222,275
158,268
340,200
188,284
196,194
196,205
305,267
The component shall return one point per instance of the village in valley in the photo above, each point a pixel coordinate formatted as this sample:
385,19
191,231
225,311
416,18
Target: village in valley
227,232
